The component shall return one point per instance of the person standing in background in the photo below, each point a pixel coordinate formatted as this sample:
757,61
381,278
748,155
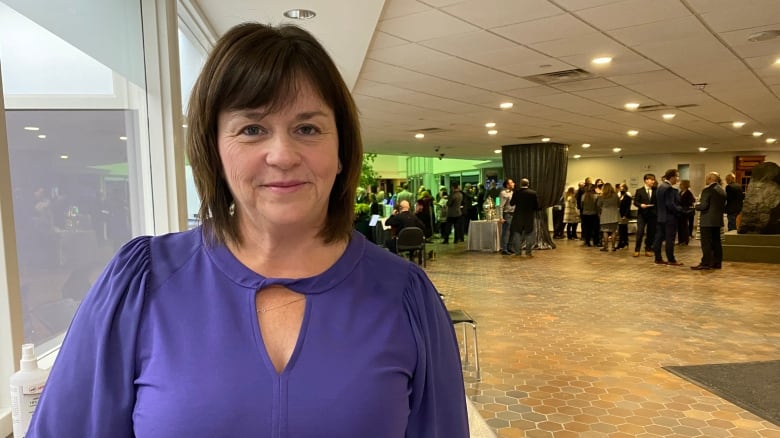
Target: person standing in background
571,215
625,216
524,220
685,226
734,198
507,210
712,203
669,210
646,217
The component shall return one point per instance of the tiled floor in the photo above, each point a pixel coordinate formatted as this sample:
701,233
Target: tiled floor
572,341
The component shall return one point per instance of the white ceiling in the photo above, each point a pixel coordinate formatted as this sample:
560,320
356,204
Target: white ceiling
446,65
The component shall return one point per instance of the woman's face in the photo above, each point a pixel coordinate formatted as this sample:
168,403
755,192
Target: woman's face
280,166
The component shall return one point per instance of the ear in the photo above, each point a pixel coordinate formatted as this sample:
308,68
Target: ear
340,167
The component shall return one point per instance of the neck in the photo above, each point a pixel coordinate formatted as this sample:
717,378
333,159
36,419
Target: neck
277,251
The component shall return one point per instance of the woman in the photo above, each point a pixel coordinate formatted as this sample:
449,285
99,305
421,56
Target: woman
571,215
590,216
609,215
625,216
269,319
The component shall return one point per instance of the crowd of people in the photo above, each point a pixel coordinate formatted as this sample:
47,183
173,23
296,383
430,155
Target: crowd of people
665,212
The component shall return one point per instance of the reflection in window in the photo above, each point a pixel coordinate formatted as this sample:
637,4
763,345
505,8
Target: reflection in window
74,141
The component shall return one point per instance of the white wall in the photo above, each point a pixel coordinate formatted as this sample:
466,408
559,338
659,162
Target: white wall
630,169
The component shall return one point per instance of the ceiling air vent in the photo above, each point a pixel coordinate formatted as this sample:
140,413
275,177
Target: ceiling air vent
559,77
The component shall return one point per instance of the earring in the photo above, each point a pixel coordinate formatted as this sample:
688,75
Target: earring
232,209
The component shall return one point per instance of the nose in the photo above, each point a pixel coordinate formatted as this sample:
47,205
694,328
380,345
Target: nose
283,151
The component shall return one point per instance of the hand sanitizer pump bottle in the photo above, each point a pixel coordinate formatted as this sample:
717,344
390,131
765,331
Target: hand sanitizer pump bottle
26,387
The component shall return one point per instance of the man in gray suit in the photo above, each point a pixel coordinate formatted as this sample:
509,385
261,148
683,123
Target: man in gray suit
711,204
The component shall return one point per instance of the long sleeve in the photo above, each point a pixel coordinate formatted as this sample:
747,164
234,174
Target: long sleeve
90,392
438,400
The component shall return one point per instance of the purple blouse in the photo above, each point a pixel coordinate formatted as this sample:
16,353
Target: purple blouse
167,344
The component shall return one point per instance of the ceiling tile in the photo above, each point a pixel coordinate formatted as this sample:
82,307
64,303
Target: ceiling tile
575,5
726,16
382,40
400,8
594,44
468,44
493,13
664,30
632,12
545,29
425,25
407,55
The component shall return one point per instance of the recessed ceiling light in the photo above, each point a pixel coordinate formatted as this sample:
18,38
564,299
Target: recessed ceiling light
64,157
586,145
492,132
123,138
777,61
616,150
702,149
757,134
738,124
419,135
668,116
41,136
771,140
31,128
545,139
300,14
490,124
577,156
506,105
185,126
632,133
631,106
498,151
602,60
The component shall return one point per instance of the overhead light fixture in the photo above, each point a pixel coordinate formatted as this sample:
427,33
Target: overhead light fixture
577,156
633,133
764,35
185,126
757,134
738,124
585,145
419,135
602,60
702,149
545,139
631,106
41,136
64,157
616,150
777,61
492,132
300,14
123,138
31,128
498,151
490,124
506,105
771,140
668,116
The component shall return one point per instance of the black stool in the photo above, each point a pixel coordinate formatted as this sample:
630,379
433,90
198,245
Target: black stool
459,316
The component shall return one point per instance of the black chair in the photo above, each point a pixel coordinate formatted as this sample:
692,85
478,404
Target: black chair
412,240
459,316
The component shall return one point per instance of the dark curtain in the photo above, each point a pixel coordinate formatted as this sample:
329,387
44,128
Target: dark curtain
545,166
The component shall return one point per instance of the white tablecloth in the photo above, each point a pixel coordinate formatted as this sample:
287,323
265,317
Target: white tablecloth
484,236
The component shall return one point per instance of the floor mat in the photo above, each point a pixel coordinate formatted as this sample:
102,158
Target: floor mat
753,386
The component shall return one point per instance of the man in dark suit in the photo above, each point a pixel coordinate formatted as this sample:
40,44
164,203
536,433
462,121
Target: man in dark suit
397,222
669,209
734,198
645,199
711,204
524,219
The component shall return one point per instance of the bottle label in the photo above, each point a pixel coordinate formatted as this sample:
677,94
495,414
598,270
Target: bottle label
24,400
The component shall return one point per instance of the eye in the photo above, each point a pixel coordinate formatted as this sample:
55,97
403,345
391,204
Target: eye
308,130
252,130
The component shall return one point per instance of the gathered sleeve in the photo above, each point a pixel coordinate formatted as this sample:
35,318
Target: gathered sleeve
90,392
438,399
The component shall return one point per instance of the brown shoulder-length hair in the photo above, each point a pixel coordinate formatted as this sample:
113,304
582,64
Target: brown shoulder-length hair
252,66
